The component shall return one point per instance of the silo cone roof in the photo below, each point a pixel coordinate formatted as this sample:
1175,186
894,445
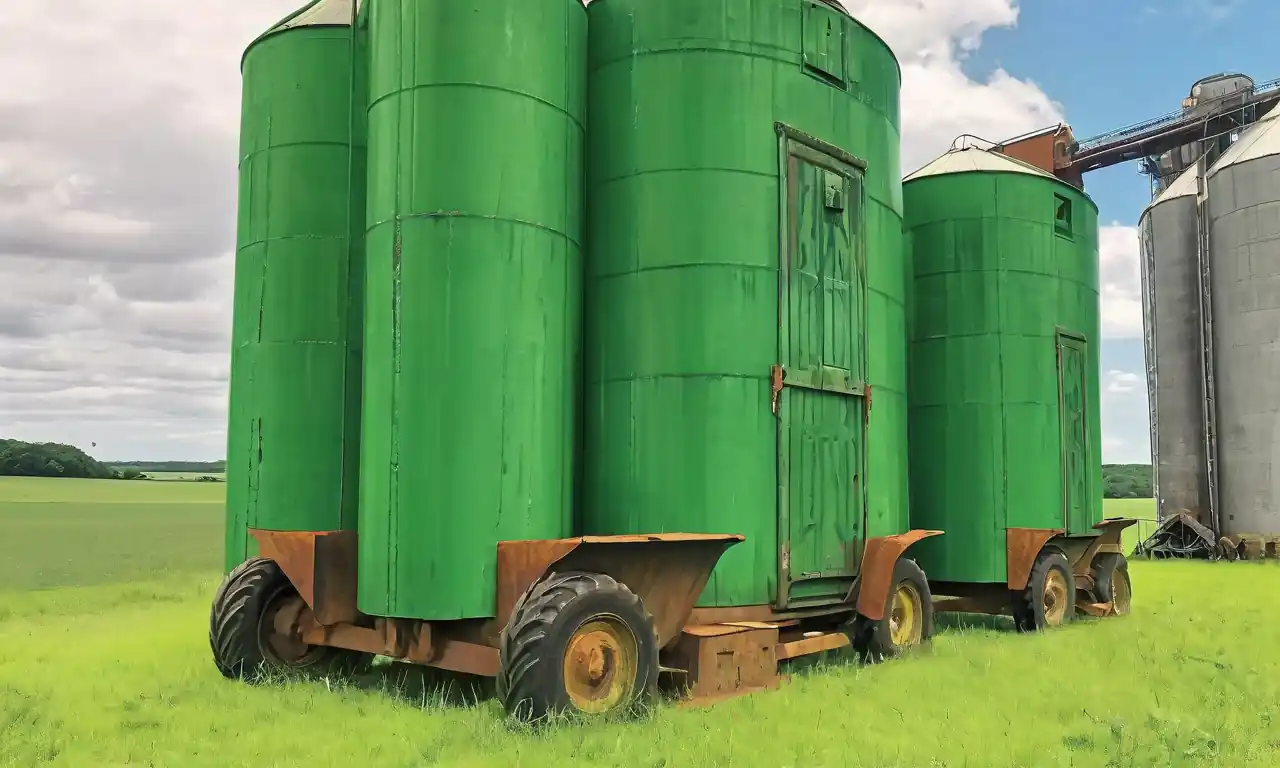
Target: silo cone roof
318,13
1184,186
1261,139
974,159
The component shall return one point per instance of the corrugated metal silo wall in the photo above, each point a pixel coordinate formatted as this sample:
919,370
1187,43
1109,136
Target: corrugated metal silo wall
473,294
684,297
1244,267
290,402
1175,378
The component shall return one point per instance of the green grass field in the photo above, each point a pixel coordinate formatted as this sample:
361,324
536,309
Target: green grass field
104,661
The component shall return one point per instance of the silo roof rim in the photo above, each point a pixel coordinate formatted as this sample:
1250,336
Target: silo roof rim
318,13
1184,186
1261,139
970,159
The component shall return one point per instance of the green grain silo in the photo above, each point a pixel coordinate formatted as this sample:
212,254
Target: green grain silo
746,332
473,295
295,376
1005,431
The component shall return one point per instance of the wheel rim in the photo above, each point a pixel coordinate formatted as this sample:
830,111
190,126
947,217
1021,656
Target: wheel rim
600,664
906,625
1056,601
1121,591
279,631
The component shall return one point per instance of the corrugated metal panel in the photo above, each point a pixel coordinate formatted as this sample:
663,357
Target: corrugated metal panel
683,295
972,159
473,296
1170,245
1244,269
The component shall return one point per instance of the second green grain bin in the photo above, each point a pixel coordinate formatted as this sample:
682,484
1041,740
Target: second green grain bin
295,374
1005,431
745,220
473,295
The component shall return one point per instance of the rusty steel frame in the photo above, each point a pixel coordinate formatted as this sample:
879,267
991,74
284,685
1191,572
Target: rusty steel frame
321,565
870,592
1023,546
717,651
667,571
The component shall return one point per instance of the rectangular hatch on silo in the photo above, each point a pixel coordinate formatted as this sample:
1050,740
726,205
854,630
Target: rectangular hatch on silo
824,43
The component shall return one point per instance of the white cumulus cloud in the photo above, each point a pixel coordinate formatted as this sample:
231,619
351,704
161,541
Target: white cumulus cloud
1120,282
1122,382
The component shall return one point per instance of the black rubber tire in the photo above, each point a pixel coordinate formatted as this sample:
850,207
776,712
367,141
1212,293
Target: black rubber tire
234,634
1105,567
532,646
871,639
1028,605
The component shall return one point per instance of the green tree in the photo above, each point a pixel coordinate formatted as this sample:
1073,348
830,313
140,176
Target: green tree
23,459
1127,481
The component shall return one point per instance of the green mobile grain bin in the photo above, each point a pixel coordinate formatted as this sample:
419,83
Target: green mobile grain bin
295,372
1005,431
746,332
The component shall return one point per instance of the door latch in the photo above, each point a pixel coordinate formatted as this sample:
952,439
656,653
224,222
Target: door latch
776,374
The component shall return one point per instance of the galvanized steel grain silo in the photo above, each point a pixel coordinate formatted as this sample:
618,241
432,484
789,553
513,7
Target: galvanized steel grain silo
295,372
1244,279
1171,302
472,314
746,288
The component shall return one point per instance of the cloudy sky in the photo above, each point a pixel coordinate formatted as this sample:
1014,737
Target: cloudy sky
118,125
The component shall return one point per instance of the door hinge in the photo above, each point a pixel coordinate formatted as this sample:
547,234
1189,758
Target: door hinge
776,374
868,390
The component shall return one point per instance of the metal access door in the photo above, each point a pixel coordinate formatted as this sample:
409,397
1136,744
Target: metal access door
819,388
1073,363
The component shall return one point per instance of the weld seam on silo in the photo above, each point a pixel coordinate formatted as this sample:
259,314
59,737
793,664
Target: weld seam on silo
1208,365
1148,283
674,267
488,217
350,518
289,144
699,169
1004,410
481,87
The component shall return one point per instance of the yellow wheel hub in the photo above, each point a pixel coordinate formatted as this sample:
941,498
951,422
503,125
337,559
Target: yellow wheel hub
906,616
600,665
1057,600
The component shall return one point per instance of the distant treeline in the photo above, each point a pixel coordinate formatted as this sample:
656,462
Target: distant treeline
23,459
193,467
19,458
1127,481
1119,481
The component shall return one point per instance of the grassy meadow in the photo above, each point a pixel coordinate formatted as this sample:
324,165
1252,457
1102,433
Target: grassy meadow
104,661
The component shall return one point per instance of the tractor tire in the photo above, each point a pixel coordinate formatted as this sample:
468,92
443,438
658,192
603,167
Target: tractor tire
908,617
1049,598
1112,582
244,641
576,643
